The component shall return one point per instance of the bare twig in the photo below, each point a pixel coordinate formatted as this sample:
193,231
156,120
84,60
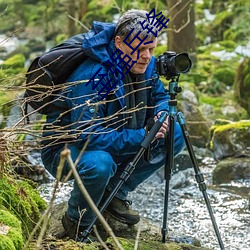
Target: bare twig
176,15
99,238
183,26
138,236
66,154
3,12
79,22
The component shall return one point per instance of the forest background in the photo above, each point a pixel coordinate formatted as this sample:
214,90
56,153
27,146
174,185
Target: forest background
214,33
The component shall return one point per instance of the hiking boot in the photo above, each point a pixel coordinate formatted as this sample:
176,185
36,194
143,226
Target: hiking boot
121,211
75,231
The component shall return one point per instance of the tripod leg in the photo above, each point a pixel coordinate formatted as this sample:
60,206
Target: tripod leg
129,168
199,177
168,173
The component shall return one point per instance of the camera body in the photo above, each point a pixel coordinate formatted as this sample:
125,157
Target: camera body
171,65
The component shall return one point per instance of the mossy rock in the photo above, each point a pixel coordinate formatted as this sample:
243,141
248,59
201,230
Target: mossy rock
150,235
10,231
212,75
128,244
22,200
232,139
221,106
231,169
222,122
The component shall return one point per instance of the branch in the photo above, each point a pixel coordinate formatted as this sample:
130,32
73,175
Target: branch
188,15
67,155
183,26
77,21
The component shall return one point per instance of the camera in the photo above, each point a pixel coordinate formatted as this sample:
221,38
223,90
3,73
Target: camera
171,65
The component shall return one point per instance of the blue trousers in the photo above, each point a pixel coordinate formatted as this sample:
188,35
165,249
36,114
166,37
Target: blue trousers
100,170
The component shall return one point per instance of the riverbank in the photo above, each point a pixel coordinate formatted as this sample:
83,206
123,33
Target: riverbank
188,215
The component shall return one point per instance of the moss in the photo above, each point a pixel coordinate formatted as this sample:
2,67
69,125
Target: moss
214,101
234,34
17,61
6,243
238,128
228,45
220,24
216,73
13,239
219,103
91,247
13,71
16,237
211,74
128,244
60,38
22,200
10,220
224,75
66,245
6,96
221,122
236,125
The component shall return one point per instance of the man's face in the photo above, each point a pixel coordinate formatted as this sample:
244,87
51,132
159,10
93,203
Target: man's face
146,52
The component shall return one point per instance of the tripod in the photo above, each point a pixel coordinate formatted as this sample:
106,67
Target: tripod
129,168
173,90
169,163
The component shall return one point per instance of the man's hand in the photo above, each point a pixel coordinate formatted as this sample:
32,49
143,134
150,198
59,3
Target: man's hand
164,128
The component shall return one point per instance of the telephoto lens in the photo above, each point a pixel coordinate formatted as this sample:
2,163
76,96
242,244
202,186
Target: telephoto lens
170,64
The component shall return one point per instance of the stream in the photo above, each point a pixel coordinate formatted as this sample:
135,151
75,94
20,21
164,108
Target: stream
187,212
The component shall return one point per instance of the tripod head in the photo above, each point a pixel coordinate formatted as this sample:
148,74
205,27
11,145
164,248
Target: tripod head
174,89
171,65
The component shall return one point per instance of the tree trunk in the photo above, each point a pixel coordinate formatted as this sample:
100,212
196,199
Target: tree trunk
181,27
72,13
83,7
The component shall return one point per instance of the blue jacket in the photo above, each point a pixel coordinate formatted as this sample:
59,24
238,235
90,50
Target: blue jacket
105,132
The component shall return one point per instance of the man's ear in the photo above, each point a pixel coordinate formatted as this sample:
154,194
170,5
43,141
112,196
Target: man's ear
118,42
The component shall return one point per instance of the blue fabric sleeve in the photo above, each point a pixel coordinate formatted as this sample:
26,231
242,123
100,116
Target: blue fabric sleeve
88,116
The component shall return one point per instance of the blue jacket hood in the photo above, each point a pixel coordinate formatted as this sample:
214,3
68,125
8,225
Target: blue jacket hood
98,42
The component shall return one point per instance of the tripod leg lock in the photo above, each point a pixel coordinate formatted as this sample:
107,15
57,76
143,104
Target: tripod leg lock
127,172
200,180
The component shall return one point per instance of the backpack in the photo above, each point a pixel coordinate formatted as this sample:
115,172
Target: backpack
48,73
